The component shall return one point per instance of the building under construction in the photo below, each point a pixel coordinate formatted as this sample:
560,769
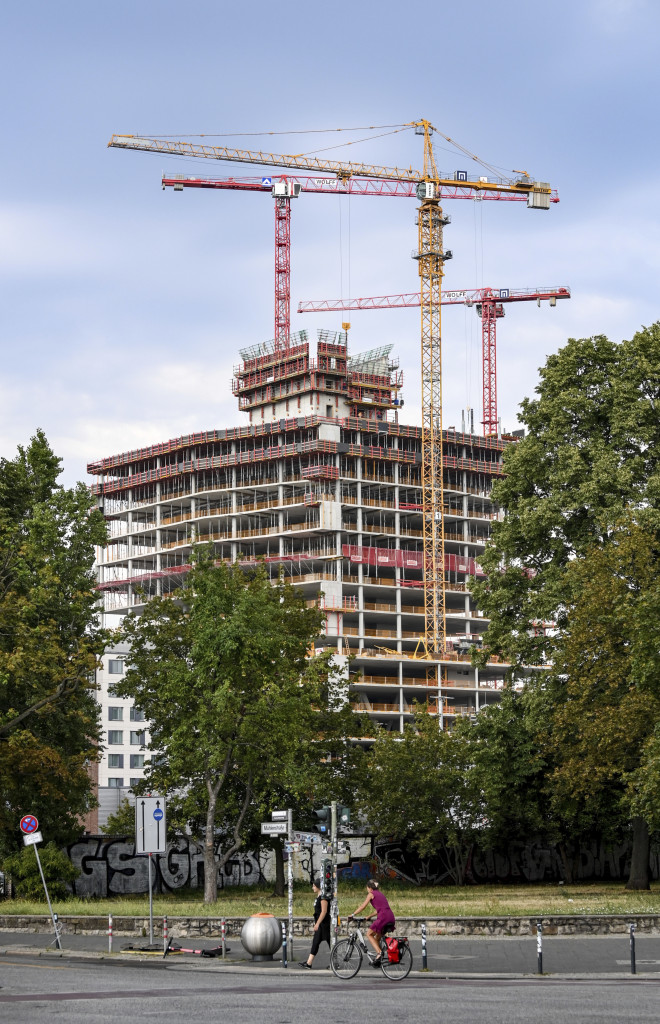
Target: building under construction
324,484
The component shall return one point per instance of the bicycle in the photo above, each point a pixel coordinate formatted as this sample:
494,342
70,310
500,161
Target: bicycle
346,955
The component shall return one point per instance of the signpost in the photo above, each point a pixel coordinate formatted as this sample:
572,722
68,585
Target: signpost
282,825
31,837
150,838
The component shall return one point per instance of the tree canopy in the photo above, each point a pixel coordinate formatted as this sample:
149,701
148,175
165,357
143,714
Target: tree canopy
238,709
50,643
577,556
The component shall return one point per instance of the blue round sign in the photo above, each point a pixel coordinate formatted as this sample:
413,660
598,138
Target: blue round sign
158,814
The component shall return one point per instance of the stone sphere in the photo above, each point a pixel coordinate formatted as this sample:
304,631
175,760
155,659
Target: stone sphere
261,936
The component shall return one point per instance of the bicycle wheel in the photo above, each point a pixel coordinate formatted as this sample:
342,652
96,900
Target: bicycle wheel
346,959
397,972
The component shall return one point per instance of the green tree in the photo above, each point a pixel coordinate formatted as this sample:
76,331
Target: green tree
59,872
419,788
234,701
50,643
590,459
592,450
507,768
604,690
122,822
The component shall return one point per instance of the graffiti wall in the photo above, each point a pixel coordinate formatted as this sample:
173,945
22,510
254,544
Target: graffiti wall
110,867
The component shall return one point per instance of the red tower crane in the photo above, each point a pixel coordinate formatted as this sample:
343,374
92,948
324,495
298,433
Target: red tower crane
489,303
284,188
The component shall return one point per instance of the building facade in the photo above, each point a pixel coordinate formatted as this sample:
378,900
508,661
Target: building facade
322,483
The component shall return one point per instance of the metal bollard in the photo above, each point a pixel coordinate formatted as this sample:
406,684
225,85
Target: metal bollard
284,963
539,945
223,932
109,933
165,936
633,964
424,957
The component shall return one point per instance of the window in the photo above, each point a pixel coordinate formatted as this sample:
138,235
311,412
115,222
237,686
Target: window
116,783
137,761
116,736
138,739
136,715
135,782
115,666
115,714
115,760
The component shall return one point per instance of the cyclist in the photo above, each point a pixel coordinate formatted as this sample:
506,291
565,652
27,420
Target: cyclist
384,917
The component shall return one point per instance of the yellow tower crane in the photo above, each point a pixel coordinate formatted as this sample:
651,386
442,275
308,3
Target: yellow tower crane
430,187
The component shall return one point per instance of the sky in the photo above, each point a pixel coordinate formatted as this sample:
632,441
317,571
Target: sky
123,306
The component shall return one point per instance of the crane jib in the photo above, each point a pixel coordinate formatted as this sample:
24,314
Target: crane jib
302,162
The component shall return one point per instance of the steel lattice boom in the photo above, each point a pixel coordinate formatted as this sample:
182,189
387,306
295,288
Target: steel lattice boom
489,303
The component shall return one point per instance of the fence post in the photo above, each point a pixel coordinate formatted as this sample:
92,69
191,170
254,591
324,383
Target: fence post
539,945
424,956
109,933
633,964
284,963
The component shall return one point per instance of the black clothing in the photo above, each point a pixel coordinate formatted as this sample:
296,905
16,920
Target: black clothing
322,933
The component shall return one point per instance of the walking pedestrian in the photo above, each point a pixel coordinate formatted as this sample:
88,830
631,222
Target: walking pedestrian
321,923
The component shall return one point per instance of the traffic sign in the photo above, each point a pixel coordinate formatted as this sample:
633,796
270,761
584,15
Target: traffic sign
267,181
29,824
150,824
32,838
279,815
273,828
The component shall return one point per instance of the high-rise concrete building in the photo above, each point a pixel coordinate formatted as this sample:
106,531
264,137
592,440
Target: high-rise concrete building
323,483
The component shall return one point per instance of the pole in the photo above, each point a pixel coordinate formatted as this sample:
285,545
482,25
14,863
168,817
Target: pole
425,962
334,905
539,945
50,909
223,932
109,933
284,957
289,819
633,963
151,907
165,935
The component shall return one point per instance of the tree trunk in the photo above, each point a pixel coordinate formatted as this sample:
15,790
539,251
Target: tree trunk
639,862
210,867
279,870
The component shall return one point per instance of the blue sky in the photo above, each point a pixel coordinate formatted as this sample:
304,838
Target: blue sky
123,307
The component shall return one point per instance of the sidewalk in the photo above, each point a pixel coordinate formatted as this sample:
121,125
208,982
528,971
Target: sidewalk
505,958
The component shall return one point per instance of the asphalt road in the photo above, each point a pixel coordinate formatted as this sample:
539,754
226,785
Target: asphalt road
35,989
608,954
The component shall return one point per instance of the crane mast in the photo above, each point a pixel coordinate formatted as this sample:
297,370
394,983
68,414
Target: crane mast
430,257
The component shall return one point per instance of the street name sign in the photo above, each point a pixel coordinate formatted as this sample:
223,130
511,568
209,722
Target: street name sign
274,828
31,838
150,824
279,815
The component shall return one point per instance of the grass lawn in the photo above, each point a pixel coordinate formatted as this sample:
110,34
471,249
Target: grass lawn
406,901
